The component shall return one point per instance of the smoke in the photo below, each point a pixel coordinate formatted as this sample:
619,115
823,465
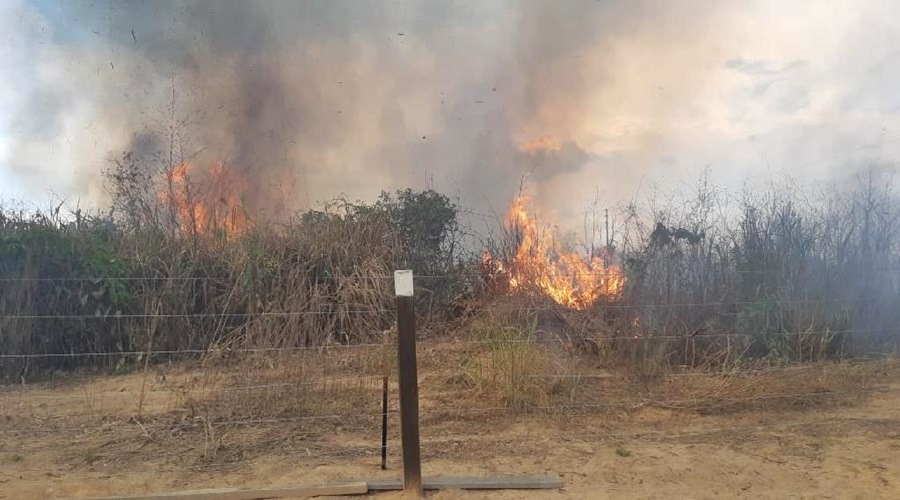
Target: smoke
309,100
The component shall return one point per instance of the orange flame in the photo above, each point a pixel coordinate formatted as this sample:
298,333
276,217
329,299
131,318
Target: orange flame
541,144
571,279
204,200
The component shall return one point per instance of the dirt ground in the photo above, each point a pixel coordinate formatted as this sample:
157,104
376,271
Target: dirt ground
839,446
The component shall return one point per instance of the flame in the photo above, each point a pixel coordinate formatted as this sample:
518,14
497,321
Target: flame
204,200
541,144
571,279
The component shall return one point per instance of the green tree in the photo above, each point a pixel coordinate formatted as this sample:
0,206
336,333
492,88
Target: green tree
426,224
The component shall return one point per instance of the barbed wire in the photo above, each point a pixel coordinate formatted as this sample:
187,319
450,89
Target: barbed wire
724,373
223,351
658,434
688,404
457,342
678,435
382,311
378,378
652,337
684,403
307,452
303,277
142,430
197,422
615,304
180,392
232,280
363,379
286,314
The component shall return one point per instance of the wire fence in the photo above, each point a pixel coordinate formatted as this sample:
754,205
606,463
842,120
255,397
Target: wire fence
378,277
384,311
694,403
456,342
322,402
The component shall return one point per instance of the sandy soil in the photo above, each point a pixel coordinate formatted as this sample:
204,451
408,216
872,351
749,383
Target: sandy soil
847,447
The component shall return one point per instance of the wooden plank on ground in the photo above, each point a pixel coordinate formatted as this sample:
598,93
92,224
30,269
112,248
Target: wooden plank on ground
474,483
355,488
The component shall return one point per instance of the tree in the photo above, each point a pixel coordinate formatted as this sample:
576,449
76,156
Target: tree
426,224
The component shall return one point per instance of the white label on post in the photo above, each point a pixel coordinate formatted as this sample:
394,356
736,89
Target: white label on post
403,283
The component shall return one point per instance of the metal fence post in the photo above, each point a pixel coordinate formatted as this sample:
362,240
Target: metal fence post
385,366
409,383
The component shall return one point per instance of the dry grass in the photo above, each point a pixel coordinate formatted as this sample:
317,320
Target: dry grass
507,365
237,409
100,285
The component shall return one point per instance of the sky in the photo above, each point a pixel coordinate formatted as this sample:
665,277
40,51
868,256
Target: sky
585,99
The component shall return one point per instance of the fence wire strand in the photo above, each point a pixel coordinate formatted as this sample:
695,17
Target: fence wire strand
613,305
455,342
685,403
361,277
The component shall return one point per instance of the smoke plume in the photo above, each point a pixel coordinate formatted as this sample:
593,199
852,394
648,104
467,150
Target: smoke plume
309,100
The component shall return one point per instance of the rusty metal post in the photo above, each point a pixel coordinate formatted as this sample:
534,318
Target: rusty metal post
409,383
386,368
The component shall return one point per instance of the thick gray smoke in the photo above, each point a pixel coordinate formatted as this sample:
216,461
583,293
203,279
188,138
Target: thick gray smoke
310,100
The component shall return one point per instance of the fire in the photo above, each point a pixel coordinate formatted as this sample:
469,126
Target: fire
204,199
543,143
571,279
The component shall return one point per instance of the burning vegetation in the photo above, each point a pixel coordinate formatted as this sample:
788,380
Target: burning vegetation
183,263
204,199
538,264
